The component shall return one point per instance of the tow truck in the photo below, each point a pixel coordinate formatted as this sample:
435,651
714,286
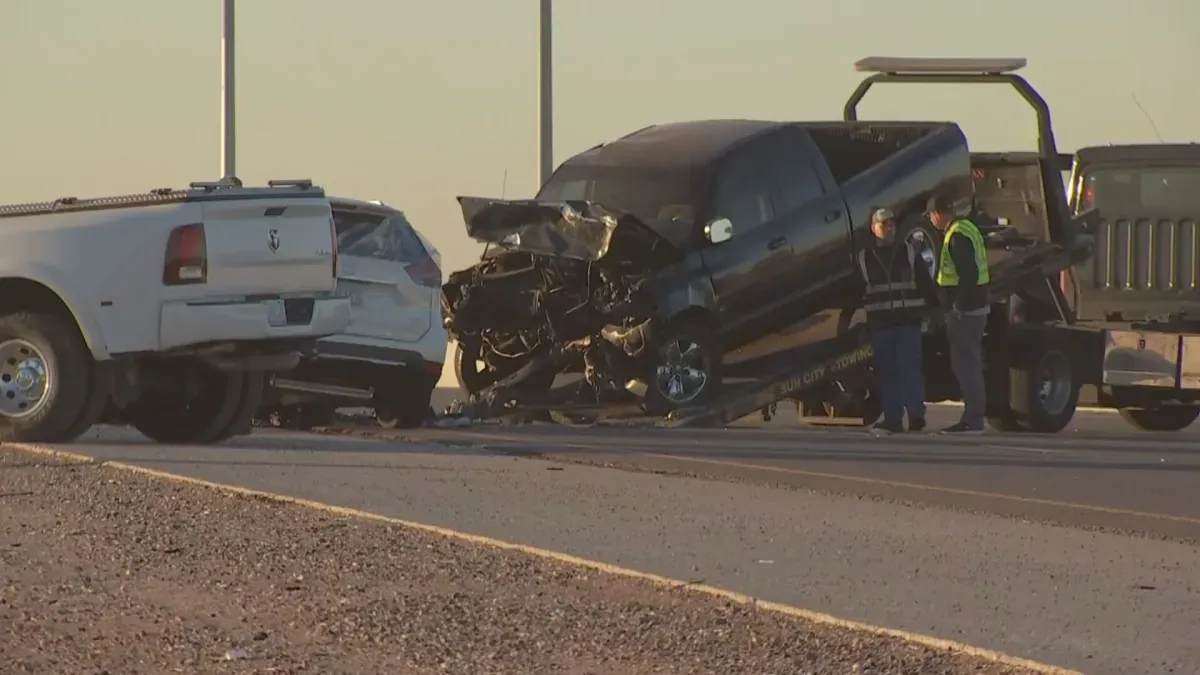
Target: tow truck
1032,340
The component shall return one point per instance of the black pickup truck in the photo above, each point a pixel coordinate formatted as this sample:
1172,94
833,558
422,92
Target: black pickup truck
659,264
694,239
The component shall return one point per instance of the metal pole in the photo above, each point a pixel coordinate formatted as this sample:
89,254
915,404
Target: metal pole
228,91
545,96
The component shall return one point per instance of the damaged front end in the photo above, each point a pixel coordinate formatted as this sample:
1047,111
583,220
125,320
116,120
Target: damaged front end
563,287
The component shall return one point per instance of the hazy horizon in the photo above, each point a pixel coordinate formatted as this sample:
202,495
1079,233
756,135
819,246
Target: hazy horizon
415,105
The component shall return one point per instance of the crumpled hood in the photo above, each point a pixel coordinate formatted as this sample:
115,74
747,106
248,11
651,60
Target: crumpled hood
566,229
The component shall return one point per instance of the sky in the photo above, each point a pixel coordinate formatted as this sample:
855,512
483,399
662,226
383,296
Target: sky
419,101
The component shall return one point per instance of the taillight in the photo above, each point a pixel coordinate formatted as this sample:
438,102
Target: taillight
187,256
425,273
333,235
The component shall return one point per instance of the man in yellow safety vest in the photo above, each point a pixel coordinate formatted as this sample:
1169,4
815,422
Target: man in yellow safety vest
963,276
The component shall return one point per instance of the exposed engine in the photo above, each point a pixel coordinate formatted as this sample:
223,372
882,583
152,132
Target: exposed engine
516,306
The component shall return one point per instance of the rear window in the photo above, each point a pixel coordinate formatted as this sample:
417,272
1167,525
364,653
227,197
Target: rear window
1142,190
370,235
661,198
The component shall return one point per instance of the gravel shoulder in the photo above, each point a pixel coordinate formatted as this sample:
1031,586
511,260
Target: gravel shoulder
103,570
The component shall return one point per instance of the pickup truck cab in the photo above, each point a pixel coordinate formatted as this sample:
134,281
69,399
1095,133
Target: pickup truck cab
159,309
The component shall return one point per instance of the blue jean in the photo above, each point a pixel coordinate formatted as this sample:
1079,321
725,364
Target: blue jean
898,373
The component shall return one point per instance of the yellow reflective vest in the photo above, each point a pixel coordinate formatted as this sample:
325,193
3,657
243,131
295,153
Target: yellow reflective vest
947,275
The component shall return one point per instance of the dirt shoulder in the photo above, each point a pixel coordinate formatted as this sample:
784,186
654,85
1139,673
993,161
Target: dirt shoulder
102,570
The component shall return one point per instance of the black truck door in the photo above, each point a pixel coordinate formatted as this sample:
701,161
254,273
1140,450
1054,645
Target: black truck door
813,212
819,226
752,270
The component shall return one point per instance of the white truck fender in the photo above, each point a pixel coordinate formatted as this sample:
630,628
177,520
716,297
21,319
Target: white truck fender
85,319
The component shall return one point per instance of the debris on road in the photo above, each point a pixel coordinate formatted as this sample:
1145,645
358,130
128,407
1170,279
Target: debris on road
262,586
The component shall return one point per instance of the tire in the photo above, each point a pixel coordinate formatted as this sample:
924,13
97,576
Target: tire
42,356
249,400
473,380
198,410
1165,418
698,350
1043,391
100,389
466,369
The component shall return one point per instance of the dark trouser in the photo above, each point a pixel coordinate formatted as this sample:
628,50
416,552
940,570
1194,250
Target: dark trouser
898,373
965,333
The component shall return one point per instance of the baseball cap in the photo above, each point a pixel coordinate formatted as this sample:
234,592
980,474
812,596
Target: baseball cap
940,202
882,216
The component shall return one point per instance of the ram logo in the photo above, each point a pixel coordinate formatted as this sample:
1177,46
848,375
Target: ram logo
273,240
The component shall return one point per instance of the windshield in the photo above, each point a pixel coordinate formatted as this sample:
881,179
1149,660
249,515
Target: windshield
661,198
1142,190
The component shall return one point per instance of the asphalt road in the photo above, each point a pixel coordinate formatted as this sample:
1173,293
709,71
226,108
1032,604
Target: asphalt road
1097,474
914,532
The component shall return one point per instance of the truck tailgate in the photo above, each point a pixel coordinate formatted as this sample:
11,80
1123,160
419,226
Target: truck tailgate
263,246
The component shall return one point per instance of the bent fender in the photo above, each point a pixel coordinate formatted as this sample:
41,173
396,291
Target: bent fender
571,229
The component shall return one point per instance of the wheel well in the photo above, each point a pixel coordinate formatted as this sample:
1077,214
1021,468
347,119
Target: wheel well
18,294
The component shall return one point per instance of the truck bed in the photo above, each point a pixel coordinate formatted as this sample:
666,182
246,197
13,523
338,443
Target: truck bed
119,261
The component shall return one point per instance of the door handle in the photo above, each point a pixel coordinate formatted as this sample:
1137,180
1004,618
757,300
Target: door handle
776,243
832,216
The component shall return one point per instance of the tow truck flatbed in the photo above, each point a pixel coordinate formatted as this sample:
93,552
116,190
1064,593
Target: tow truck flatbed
793,372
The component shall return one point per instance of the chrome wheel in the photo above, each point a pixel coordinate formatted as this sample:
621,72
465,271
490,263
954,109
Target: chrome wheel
682,372
24,379
924,245
1054,383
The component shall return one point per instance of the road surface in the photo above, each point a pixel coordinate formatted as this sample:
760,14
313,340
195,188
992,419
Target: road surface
1096,571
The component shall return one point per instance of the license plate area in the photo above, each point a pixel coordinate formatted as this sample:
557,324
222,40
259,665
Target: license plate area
294,312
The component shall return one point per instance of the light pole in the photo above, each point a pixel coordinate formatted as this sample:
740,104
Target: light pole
545,95
228,98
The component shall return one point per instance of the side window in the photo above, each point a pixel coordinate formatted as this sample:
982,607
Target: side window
743,195
573,190
788,162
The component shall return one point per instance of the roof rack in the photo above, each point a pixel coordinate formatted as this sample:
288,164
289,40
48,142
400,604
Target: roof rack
302,183
227,182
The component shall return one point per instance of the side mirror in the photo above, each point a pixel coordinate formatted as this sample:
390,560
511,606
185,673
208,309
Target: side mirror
719,230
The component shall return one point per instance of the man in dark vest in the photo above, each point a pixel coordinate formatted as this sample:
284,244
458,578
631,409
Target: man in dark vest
963,275
898,294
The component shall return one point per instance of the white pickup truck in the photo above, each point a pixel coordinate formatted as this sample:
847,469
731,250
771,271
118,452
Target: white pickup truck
161,309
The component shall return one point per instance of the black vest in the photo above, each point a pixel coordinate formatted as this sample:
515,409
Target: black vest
892,295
